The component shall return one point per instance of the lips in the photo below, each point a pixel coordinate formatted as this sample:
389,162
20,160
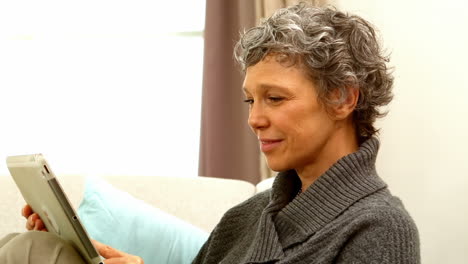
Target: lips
267,145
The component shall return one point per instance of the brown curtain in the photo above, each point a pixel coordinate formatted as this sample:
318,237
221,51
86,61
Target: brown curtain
228,149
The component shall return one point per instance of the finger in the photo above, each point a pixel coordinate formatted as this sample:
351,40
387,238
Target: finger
108,251
27,211
28,226
125,260
39,225
114,256
31,221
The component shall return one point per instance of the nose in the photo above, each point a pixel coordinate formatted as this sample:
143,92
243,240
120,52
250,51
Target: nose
257,117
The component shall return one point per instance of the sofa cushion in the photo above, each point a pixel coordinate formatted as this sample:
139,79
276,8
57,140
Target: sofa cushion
116,218
201,201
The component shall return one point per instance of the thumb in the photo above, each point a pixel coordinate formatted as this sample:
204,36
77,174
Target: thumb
108,251
124,260
114,256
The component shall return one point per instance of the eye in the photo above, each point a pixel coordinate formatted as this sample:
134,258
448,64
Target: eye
275,99
249,101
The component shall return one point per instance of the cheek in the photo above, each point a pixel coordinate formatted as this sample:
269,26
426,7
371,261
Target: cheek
302,136
311,129
304,123
299,133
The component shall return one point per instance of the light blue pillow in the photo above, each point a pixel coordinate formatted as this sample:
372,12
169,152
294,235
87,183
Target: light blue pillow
119,220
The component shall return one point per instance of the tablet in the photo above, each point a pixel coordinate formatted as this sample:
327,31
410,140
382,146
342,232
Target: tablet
42,191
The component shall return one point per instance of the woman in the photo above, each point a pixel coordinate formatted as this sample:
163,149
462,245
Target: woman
314,79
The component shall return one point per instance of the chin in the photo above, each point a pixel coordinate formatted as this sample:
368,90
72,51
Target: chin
277,166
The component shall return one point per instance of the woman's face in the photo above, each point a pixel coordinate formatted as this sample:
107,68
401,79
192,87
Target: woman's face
293,128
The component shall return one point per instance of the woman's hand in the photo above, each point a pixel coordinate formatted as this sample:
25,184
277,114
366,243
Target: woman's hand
114,256
33,222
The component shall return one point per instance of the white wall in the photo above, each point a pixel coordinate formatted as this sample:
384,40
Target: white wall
102,87
423,154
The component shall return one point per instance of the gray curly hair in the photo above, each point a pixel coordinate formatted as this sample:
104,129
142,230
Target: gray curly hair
337,51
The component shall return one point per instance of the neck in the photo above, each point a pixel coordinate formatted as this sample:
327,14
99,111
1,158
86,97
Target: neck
343,142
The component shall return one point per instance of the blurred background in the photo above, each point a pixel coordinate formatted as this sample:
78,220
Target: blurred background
132,87
103,86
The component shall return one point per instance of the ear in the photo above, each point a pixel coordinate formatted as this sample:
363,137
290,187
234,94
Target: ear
344,109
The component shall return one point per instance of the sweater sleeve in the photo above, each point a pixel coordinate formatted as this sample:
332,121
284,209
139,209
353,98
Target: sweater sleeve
387,236
237,225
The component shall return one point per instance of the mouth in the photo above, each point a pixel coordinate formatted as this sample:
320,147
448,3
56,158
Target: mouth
267,145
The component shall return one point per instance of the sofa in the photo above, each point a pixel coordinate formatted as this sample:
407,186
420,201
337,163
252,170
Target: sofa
200,201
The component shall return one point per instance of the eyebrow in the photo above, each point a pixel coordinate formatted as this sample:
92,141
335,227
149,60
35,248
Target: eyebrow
267,86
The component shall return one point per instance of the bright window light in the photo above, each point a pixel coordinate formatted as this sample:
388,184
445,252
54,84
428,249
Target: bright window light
102,87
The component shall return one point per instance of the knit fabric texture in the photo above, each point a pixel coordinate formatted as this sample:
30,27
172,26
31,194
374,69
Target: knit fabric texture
346,216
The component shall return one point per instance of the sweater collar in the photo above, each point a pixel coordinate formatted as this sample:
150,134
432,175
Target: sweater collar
290,218
347,181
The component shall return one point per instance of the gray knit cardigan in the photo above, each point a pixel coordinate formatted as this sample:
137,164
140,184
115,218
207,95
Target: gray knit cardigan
346,216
